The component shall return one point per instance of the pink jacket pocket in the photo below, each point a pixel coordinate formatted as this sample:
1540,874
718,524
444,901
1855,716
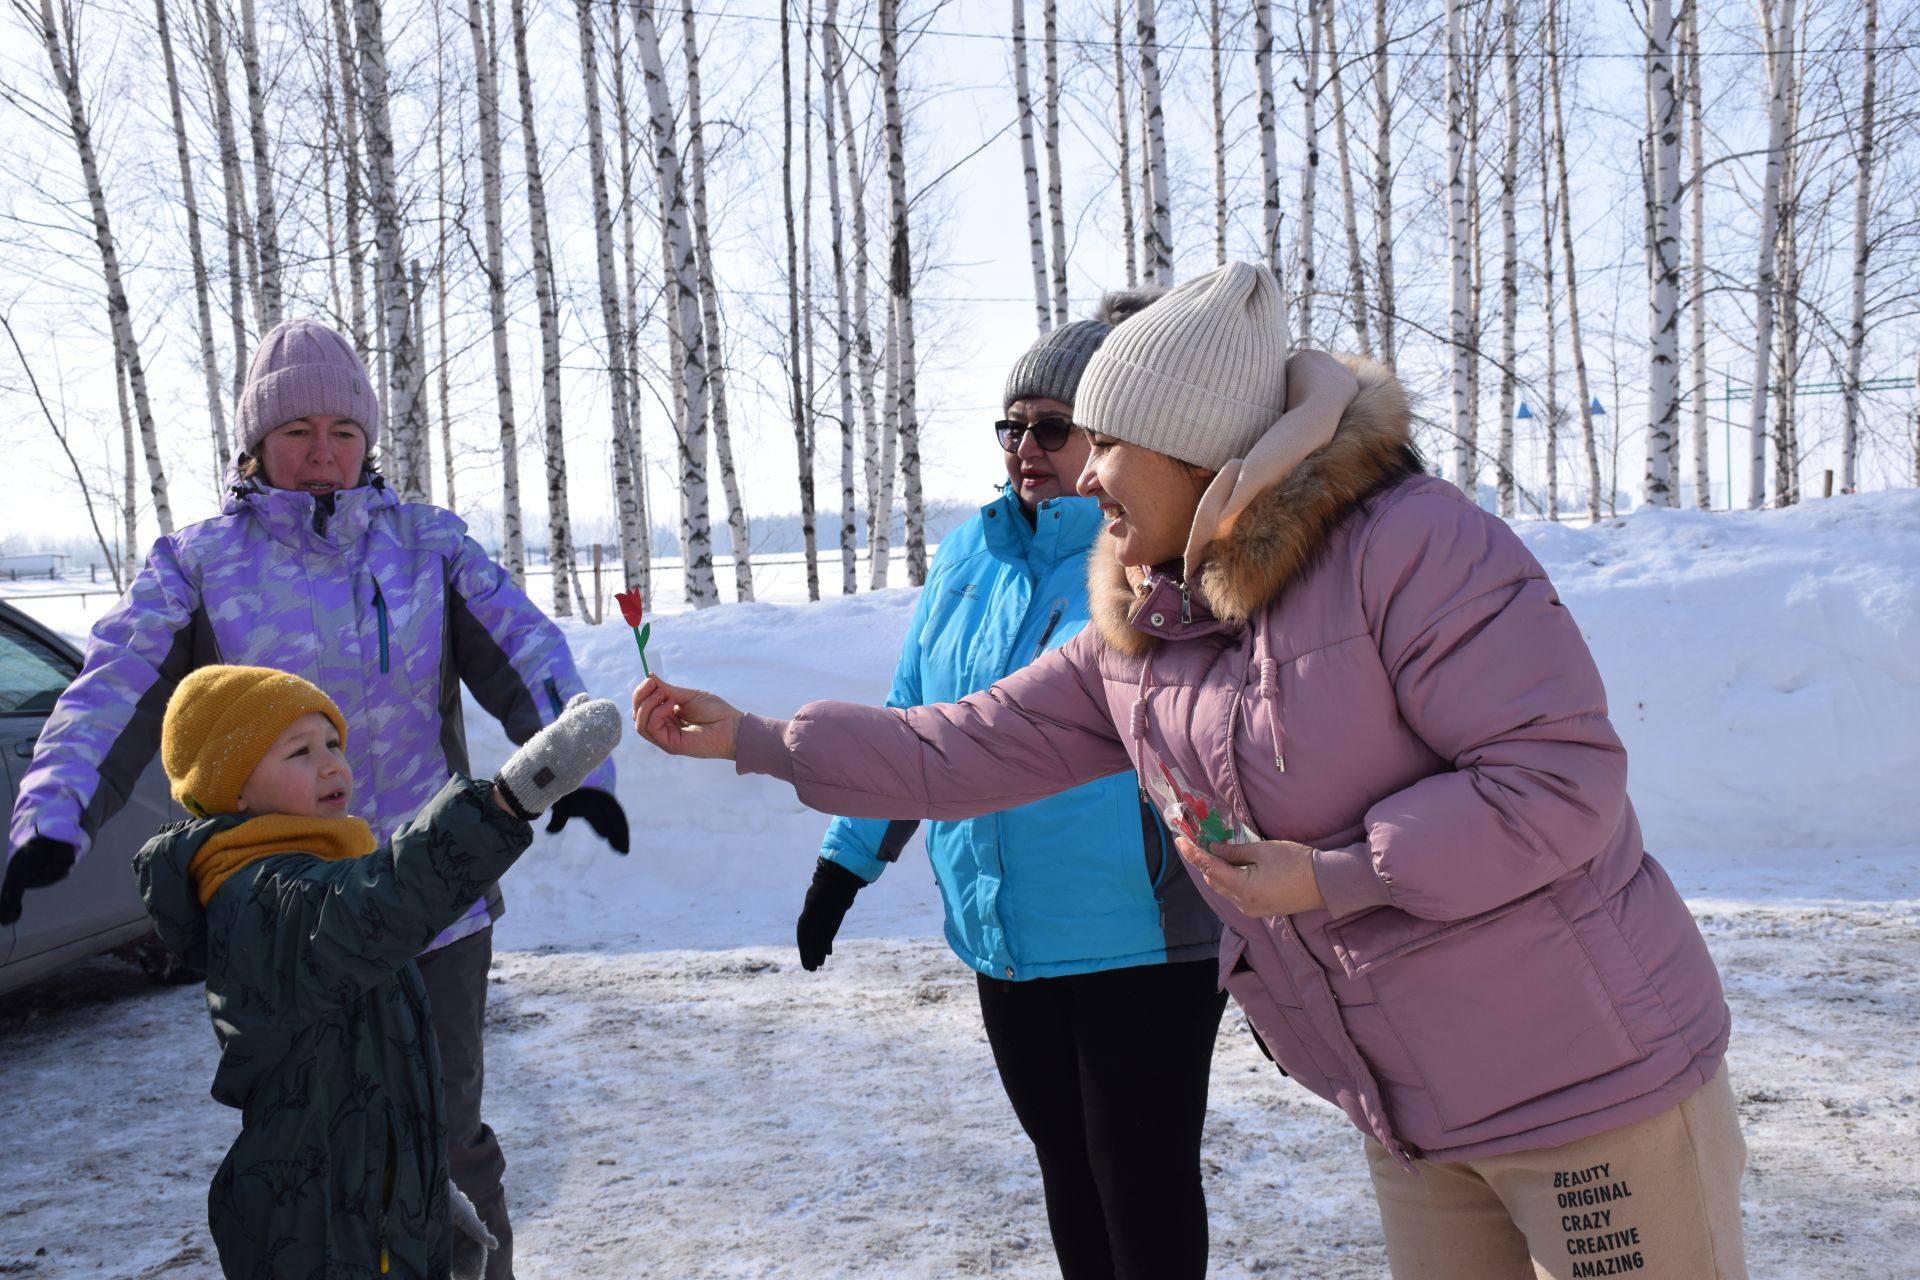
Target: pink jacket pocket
1493,1011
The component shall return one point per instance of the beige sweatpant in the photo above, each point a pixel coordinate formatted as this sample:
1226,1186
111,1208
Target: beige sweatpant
1658,1199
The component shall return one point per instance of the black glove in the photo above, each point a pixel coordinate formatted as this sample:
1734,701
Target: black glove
602,812
39,862
828,898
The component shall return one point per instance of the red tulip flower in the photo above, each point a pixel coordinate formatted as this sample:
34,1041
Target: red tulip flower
632,608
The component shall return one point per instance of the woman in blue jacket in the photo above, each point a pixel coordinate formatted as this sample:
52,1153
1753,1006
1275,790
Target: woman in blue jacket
1094,955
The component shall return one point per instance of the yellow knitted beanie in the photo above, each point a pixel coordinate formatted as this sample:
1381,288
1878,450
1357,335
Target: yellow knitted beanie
219,724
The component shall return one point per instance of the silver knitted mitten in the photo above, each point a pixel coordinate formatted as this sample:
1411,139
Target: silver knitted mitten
556,759
470,1262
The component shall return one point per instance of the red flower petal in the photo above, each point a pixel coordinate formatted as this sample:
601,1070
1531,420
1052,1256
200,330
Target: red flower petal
631,607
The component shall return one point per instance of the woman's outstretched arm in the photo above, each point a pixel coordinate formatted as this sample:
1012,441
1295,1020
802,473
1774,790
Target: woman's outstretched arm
1038,732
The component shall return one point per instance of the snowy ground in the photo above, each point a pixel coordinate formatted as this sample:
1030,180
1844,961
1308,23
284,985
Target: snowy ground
678,1099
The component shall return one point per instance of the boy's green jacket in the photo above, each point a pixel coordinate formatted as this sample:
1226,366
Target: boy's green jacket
326,1049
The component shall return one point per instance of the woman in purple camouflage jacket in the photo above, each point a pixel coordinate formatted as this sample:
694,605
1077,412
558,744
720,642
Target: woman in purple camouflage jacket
1387,744
315,567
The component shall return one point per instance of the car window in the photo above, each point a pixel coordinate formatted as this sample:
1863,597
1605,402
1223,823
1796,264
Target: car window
33,674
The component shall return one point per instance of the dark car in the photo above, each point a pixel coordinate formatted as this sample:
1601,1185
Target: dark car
97,907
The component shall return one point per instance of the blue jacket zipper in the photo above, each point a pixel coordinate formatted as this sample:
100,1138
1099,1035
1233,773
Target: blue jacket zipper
380,614
1053,620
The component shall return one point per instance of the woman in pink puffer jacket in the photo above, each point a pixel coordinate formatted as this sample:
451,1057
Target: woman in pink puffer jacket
1387,743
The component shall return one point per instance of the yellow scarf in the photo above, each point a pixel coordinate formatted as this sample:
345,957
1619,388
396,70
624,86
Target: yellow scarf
329,839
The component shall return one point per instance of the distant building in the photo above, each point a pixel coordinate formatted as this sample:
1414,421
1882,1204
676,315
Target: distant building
37,564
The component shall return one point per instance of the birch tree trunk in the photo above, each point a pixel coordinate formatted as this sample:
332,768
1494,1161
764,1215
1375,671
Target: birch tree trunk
329,146
1509,252
443,366
1304,276
389,253
129,494
1474,50
202,290
1862,253
485,64
1786,432
1383,182
420,426
1550,418
634,447
796,401
878,515
1589,445
1457,250
626,484
65,64
1269,150
710,315
1356,269
559,515
1056,199
235,179
265,211
1160,226
1778,35
900,281
233,191
1036,225
1663,320
1214,31
1127,231
350,137
843,346
881,549
1697,266
808,329
683,286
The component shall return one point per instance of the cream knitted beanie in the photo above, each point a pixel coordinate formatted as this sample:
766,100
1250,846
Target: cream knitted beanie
1200,374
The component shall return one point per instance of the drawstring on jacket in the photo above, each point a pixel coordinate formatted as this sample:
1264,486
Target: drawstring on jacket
1137,721
1270,694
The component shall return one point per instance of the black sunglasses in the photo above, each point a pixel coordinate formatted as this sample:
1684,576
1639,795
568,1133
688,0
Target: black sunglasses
1049,433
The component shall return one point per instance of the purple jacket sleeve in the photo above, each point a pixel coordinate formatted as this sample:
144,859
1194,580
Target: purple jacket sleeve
1041,730
1490,671
508,653
105,729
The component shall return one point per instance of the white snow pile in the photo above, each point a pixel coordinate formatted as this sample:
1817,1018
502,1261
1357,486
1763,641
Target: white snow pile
677,1098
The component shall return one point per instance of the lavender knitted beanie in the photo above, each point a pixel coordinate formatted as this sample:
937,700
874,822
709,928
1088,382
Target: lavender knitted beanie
302,369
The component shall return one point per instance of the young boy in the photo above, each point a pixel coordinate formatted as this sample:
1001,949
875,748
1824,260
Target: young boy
307,933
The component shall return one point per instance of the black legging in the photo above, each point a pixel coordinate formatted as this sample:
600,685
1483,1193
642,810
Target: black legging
1108,1074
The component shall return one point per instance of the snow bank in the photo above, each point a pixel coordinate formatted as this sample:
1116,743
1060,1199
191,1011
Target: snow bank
1764,669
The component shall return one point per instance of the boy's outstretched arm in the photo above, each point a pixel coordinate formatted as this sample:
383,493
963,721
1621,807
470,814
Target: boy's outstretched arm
340,934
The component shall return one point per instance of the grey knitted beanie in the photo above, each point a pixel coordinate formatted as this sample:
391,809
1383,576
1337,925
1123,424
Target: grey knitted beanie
1051,368
302,369
1200,375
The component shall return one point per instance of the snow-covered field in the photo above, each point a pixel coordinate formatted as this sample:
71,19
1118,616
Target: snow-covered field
677,1098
